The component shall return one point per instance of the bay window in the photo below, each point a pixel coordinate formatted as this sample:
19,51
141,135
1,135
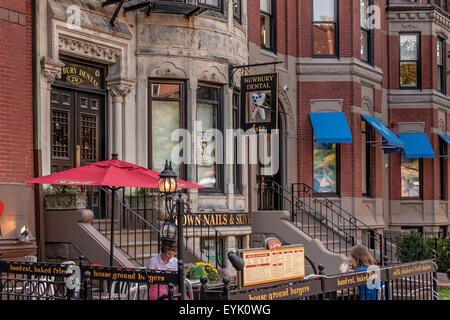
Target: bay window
366,32
441,72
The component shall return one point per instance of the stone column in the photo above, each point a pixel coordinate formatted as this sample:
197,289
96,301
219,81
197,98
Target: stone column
50,71
119,88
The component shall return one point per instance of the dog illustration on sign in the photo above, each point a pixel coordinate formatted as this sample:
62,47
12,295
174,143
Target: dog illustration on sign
259,107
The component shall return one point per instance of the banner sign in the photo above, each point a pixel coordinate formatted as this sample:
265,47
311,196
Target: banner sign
265,266
82,75
227,219
289,291
133,275
259,101
412,269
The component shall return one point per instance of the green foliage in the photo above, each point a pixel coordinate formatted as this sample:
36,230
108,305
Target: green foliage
58,189
200,269
412,246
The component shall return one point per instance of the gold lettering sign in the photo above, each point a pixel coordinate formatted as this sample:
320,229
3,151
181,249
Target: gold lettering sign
82,75
216,219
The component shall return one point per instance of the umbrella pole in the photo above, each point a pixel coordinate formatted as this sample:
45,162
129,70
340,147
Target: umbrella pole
111,250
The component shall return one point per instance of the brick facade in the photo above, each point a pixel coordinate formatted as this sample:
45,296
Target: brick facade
348,79
16,125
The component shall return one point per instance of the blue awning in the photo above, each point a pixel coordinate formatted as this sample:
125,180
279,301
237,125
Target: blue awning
417,145
389,138
331,127
445,138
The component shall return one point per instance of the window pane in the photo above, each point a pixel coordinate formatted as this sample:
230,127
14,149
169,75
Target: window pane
410,177
165,119
364,161
214,3
237,9
408,47
364,45
408,74
325,167
265,31
439,52
364,16
206,145
323,35
165,90
323,10
439,78
266,6
207,93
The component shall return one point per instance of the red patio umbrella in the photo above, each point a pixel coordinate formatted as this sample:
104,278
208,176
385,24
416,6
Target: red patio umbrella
112,173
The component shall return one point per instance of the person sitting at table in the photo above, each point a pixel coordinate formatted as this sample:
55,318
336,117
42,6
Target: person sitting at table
361,260
165,261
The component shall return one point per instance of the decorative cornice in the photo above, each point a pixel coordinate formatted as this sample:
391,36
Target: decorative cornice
87,50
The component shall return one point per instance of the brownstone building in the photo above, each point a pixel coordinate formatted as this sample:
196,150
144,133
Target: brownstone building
16,126
382,64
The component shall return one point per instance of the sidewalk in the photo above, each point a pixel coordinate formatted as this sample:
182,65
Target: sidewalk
442,280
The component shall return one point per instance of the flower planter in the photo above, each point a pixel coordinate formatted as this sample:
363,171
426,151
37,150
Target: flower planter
65,201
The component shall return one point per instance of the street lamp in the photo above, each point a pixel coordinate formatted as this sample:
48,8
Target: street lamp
167,185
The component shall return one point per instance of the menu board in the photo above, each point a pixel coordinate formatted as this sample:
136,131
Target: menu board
265,266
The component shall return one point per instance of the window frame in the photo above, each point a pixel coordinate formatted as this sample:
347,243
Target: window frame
219,6
336,31
272,23
220,124
442,74
418,62
420,197
182,99
370,40
338,173
369,136
238,19
443,183
237,168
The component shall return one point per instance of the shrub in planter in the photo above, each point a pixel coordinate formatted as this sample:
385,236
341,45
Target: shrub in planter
412,247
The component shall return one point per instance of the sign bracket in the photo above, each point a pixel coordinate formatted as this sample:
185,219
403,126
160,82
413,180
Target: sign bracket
232,69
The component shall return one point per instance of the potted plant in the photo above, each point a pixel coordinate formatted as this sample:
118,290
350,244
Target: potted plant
200,269
64,197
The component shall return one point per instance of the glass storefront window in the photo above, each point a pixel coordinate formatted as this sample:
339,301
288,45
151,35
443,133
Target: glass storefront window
165,118
211,249
325,168
410,175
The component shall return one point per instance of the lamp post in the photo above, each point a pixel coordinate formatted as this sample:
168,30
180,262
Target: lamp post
167,185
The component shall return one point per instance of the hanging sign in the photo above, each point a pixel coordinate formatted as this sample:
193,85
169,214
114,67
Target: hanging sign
259,100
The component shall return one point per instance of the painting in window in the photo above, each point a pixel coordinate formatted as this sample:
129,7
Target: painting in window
325,166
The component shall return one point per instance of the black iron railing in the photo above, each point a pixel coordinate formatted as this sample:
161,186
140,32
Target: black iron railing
139,215
77,281
362,233
333,232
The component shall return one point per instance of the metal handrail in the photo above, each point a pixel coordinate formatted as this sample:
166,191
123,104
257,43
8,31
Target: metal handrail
317,216
354,223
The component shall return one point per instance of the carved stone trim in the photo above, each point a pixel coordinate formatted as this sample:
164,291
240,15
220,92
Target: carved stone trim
284,99
51,69
168,69
213,74
119,87
326,105
88,50
411,127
